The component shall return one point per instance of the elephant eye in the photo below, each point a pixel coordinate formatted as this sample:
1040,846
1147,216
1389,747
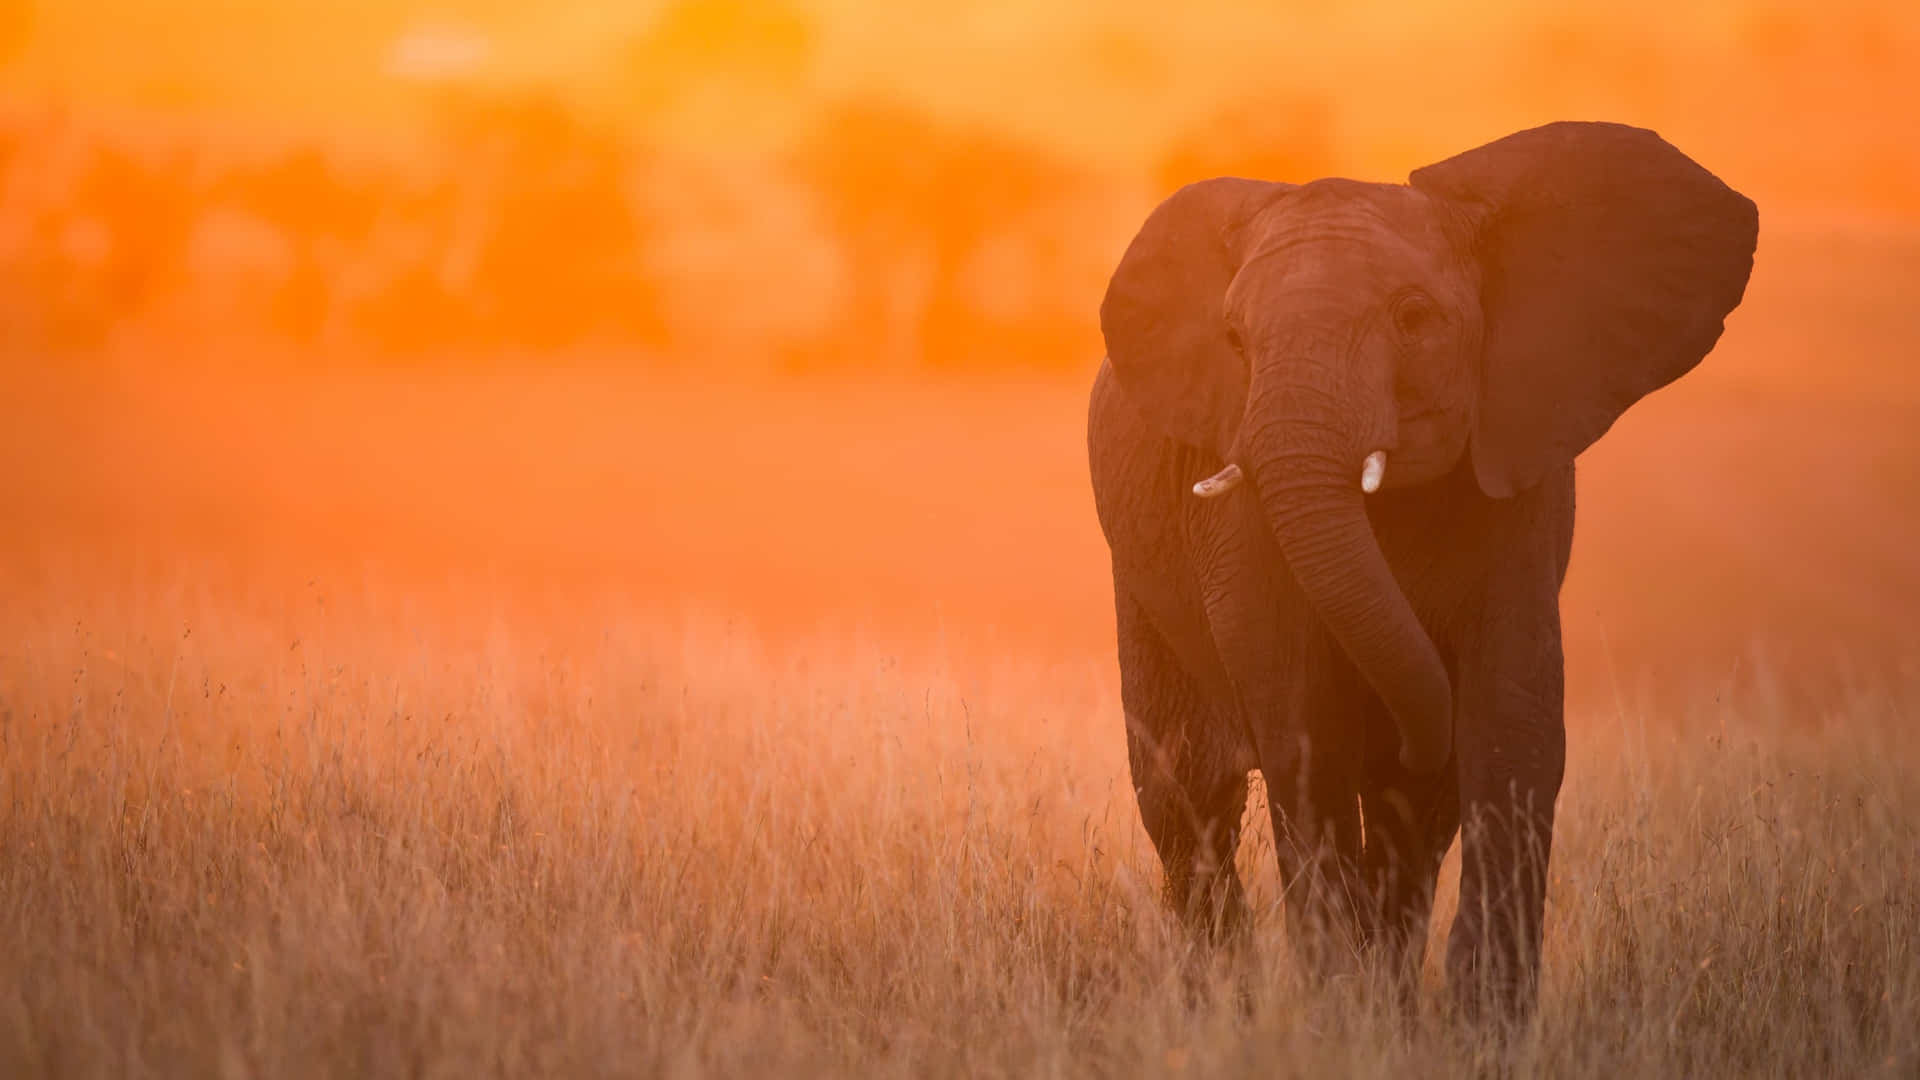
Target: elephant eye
1414,316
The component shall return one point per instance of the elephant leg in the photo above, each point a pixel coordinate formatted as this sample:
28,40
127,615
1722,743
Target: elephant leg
1510,752
1189,775
1309,750
1410,822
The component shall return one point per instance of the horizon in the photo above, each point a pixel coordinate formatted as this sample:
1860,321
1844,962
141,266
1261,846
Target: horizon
1786,97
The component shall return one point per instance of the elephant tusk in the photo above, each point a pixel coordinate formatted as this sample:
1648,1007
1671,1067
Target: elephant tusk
1372,470
1219,483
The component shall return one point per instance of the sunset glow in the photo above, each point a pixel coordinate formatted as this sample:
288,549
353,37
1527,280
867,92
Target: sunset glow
556,538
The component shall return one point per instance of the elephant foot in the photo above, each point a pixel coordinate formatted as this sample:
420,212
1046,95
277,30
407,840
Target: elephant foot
1492,991
1396,972
1219,980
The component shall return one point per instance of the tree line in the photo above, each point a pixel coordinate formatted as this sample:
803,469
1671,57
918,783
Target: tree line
884,236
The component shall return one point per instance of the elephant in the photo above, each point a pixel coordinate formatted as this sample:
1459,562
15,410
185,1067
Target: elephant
1332,449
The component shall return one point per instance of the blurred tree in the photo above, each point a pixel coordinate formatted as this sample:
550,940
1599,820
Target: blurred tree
760,41
734,67
1773,34
417,305
1819,75
13,139
1570,64
1127,62
913,201
326,218
144,207
16,28
552,245
1275,136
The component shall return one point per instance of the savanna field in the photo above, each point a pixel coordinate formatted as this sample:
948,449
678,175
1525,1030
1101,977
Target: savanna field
592,723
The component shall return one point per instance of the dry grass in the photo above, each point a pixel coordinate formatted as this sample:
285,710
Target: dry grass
355,725
311,840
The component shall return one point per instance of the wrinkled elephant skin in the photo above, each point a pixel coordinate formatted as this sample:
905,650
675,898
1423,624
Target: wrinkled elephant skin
1332,449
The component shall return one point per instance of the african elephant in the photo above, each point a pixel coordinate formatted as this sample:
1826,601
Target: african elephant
1381,389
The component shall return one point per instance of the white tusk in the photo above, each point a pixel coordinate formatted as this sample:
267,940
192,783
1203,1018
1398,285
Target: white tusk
1372,470
1219,483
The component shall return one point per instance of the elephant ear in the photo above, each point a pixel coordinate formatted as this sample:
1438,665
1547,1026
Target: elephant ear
1610,261
1163,315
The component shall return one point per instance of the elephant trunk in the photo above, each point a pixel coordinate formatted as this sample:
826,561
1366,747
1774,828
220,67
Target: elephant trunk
1308,474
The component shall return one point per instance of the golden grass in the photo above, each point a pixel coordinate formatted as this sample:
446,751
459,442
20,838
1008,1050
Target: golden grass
306,838
367,724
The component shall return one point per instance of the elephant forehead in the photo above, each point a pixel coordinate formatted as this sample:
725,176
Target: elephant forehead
1388,226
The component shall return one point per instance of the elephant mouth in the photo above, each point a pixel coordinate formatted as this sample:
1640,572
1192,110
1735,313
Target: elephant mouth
1433,427
1422,452
1421,439
1429,442
1420,427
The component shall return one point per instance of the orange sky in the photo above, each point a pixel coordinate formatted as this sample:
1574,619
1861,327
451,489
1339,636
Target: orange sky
914,520
1794,97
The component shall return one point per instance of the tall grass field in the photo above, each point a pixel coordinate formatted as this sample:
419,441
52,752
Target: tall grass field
363,724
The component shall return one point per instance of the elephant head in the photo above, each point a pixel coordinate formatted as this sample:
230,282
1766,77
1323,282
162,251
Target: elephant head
1505,307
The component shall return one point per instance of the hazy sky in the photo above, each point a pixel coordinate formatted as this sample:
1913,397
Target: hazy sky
1793,91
